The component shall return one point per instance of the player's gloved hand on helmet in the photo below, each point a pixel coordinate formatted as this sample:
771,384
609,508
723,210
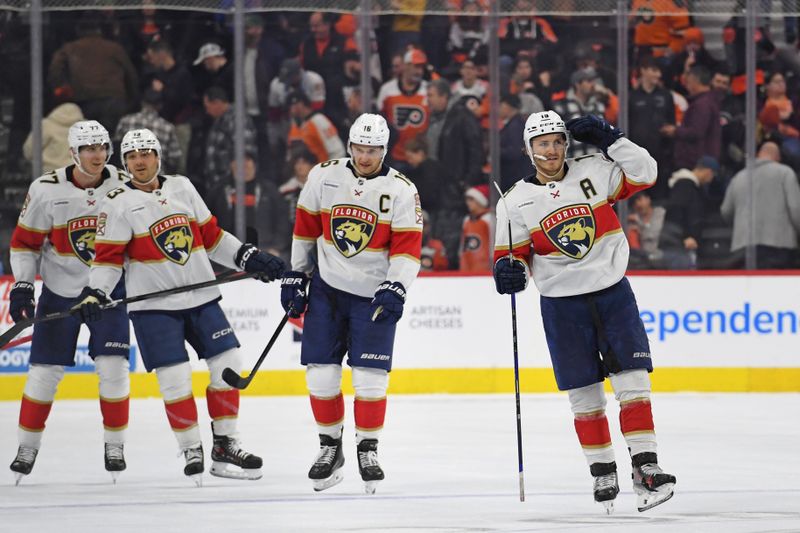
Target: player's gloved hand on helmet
593,130
510,275
294,293
21,304
250,259
89,304
387,304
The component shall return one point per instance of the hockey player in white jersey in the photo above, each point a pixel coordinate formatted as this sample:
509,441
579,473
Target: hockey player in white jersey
357,238
55,238
563,226
161,231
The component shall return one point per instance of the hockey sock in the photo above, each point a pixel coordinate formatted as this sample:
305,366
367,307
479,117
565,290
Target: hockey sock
329,414
114,396
175,383
370,385
591,425
632,390
327,403
222,400
37,399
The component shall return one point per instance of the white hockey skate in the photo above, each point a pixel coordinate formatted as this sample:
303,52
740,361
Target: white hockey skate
194,464
651,485
23,462
327,468
115,460
606,486
230,461
368,466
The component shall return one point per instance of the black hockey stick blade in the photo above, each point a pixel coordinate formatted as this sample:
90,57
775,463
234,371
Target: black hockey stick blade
17,328
236,381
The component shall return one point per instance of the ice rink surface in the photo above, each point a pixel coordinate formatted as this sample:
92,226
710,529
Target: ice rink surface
450,462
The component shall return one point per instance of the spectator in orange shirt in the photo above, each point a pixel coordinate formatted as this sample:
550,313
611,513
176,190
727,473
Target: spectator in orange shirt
476,237
312,130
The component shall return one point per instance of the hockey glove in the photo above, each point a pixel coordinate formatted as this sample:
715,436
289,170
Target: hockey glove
387,304
90,302
510,276
250,259
21,304
594,130
294,296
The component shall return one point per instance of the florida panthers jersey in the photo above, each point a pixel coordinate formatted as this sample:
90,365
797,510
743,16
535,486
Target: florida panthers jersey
163,239
365,231
568,230
56,230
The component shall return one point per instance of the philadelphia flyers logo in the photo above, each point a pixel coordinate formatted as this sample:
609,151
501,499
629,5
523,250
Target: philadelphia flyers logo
408,116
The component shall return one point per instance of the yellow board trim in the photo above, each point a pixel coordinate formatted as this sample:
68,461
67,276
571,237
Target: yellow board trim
441,381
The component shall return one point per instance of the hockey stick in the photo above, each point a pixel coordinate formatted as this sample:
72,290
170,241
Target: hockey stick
15,330
516,356
233,379
17,342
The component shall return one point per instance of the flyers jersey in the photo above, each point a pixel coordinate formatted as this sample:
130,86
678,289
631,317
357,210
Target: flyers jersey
568,230
55,233
364,231
407,113
163,239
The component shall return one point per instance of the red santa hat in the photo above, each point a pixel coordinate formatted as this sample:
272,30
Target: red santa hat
479,193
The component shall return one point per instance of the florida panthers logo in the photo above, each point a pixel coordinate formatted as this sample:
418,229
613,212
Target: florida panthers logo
173,236
352,228
571,229
81,233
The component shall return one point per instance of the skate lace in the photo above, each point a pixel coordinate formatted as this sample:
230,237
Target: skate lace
326,454
114,451
606,481
367,459
650,469
233,448
26,455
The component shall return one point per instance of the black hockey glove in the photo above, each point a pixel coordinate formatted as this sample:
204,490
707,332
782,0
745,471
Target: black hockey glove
294,294
89,307
21,304
510,276
594,130
250,259
387,304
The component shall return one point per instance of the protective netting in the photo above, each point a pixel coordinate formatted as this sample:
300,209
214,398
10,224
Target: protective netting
700,8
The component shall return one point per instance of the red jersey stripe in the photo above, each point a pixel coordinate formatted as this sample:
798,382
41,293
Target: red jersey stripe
25,238
109,253
209,231
308,224
406,242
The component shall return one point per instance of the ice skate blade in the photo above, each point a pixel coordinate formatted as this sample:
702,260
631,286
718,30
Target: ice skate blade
114,476
648,499
227,470
198,479
328,482
608,506
371,486
17,478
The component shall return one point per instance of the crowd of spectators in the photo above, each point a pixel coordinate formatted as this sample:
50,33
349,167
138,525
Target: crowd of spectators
173,73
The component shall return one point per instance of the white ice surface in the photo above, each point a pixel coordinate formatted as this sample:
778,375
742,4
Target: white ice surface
450,461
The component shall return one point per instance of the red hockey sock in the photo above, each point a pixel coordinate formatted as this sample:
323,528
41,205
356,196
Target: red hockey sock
222,403
181,413
115,413
369,413
33,414
328,411
592,430
636,417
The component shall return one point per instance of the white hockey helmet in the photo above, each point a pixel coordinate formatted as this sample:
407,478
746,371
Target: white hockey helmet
542,123
371,130
142,139
87,133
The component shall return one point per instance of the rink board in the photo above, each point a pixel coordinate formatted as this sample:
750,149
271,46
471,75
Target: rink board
720,333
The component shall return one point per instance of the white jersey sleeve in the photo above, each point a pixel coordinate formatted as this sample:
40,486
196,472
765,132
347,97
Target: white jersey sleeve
308,225
114,232
406,231
34,224
221,246
635,169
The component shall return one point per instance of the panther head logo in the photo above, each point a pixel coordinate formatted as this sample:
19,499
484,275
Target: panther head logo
571,229
173,236
81,233
352,228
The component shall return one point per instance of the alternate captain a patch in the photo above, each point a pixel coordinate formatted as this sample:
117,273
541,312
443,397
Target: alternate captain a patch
173,236
352,228
571,229
81,233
